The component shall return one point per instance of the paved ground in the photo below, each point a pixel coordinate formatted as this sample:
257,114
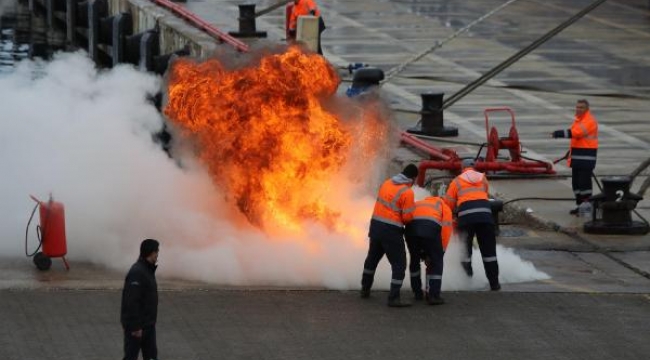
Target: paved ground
596,304
331,325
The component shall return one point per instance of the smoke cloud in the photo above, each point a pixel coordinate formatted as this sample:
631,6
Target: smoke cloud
85,137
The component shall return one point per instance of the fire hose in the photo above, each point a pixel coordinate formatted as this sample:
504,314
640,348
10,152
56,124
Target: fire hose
38,233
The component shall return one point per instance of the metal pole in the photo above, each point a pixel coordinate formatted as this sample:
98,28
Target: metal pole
272,7
399,68
514,58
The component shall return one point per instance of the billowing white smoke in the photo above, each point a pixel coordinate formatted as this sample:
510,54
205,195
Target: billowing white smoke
85,137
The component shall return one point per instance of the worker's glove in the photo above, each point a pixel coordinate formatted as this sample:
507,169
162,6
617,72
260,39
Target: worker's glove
557,134
312,12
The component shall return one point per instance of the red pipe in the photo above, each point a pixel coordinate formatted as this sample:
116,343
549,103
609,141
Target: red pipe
432,151
521,167
201,24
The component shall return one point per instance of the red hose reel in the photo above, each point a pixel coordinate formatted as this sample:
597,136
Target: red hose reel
448,159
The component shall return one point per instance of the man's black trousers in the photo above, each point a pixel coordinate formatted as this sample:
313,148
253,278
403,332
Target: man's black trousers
393,247
146,343
487,243
581,184
430,249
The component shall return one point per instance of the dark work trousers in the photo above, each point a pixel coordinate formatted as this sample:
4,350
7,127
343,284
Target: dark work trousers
487,244
394,249
581,184
147,343
415,249
431,250
435,256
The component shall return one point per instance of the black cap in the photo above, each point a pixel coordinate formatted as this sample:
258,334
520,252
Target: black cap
468,163
148,246
410,171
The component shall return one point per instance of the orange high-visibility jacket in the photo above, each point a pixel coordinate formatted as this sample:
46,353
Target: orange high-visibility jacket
435,210
470,185
584,139
394,204
303,7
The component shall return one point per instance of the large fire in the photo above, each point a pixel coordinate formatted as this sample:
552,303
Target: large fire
267,134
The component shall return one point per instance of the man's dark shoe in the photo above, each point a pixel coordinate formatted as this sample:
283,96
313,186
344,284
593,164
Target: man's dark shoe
365,293
418,296
397,303
468,268
574,211
495,287
435,300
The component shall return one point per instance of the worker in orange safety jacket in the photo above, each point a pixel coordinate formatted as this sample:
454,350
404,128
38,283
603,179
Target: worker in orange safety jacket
427,237
393,209
305,7
582,154
467,196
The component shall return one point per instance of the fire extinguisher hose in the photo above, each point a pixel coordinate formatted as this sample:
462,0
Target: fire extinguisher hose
38,233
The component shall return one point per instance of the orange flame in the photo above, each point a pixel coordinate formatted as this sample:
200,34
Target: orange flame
263,131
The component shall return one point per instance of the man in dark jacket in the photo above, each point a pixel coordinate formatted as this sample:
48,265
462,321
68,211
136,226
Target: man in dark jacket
140,304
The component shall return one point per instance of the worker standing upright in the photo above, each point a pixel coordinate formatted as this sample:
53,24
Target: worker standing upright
301,8
427,236
467,196
582,154
393,209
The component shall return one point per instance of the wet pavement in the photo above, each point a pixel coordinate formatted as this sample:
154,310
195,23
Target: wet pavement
596,303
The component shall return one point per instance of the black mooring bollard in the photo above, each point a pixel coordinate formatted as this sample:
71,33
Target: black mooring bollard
432,122
247,26
122,27
97,10
612,209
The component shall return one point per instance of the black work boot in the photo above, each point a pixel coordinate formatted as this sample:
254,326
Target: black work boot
366,284
495,286
397,302
492,273
394,297
365,293
435,300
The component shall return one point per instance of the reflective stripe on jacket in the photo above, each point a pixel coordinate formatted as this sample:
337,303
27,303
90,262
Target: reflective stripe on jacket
470,185
303,7
432,219
584,141
468,195
394,203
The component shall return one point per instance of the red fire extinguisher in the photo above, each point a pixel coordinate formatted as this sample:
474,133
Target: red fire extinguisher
51,233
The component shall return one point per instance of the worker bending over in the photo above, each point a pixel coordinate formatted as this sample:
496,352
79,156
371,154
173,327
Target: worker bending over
393,209
467,196
427,236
